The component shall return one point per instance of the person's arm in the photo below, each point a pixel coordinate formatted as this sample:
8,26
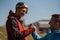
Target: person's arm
28,31
36,36
13,27
15,30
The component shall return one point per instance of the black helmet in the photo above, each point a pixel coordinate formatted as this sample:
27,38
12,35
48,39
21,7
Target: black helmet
21,4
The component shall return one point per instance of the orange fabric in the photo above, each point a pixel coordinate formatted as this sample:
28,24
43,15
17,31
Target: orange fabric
21,28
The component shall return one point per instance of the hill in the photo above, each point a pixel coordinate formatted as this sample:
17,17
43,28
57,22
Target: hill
3,34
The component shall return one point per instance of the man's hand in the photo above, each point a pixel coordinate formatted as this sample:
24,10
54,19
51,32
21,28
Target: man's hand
32,26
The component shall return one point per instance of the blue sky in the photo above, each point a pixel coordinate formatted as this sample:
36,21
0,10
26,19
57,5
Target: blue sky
38,9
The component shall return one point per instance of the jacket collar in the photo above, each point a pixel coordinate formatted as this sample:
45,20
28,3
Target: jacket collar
55,31
11,13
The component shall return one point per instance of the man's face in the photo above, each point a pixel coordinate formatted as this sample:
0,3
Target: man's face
54,24
51,23
21,11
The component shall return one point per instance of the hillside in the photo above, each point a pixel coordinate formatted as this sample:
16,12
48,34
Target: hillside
3,34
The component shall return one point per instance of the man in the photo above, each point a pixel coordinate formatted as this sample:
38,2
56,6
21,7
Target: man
55,29
15,26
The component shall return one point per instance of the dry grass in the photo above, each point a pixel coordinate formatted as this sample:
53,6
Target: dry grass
3,34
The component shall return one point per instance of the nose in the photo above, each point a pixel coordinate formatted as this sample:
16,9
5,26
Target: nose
23,10
50,23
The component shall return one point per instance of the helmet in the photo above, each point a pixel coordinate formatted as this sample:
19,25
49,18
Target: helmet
22,4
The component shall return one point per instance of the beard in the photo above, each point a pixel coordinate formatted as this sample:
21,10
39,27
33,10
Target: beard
52,27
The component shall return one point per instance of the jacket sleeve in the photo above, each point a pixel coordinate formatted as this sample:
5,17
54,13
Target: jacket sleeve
14,28
28,31
36,36
49,36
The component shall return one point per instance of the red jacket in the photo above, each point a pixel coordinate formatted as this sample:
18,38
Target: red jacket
15,29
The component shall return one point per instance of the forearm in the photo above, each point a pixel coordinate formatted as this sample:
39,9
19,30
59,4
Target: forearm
36,36
28,31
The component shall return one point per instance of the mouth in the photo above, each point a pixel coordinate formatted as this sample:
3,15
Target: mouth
22,15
